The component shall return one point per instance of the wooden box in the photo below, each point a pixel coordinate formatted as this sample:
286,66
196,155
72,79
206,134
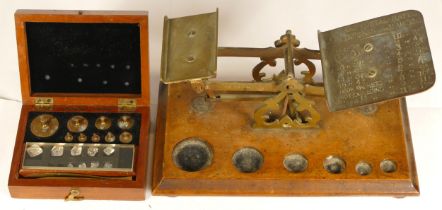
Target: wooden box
91,63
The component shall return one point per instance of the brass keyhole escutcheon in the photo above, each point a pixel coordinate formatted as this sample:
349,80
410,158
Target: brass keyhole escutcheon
44,125
74,195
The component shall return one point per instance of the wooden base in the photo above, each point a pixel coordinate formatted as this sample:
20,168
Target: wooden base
348,134
92,188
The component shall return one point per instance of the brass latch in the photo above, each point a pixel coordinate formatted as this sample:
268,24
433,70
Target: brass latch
44,103
127,104
74,195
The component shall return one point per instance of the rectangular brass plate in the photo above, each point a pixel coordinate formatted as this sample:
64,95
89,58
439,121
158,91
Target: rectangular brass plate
376,60
189,48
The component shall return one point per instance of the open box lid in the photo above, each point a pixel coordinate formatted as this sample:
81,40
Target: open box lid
92,58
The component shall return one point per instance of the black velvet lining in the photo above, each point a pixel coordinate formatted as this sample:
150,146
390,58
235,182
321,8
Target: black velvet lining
63,118
84,57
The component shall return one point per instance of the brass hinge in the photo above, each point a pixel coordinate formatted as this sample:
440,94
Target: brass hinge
127,104
44,103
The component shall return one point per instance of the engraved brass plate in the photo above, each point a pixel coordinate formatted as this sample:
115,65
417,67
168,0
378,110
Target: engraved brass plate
376,60
189,48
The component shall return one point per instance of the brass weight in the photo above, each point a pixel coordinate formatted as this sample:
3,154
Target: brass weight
82,137
109,138
44,125
125,122
68,137
125,137
103,123
77,124
95,138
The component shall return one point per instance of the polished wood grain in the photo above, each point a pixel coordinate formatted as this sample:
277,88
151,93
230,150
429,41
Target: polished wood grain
125,188
228,127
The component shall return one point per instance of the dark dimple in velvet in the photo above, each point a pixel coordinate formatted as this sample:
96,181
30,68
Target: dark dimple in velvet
63,118
54,47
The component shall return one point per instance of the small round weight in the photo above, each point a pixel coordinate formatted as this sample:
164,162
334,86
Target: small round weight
125,122
44,125
125,137
82,137
247,160
192,154
103,123
95,138
77,124
109,138
68,137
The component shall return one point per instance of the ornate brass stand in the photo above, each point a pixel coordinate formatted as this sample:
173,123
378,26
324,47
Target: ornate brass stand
289,108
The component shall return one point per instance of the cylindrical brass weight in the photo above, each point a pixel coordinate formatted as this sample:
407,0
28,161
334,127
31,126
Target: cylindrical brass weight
126,137
103,123
44,125
125,122
77,124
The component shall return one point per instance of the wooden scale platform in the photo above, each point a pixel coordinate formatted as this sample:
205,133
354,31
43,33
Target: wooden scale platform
289,135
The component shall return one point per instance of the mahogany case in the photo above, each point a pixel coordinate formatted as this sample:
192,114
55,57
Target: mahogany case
83,62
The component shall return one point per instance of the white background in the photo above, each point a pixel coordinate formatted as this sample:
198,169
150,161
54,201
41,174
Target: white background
248,24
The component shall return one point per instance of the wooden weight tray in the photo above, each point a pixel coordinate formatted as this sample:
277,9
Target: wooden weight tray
349,134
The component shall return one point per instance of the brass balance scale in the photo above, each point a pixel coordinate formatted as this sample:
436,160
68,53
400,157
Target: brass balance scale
288,134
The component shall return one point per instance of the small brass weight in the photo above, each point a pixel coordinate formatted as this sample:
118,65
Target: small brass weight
77,124
44,125
103,123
